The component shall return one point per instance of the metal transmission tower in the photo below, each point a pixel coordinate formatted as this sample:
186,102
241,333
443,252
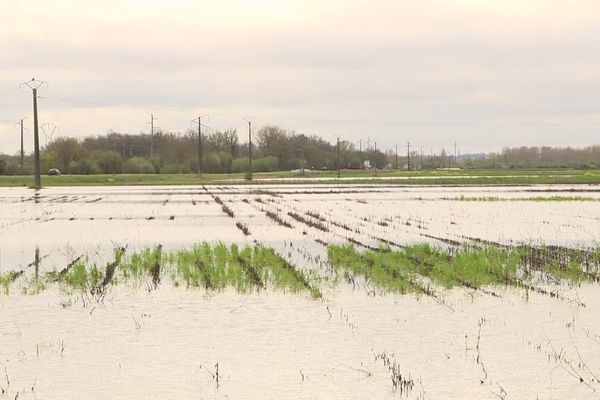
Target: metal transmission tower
49,129
34,85
199,119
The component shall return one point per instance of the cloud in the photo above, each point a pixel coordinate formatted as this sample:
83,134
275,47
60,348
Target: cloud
427,71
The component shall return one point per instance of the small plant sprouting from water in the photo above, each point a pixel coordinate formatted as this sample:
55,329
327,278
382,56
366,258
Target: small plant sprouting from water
273,216
227,211
315,224
243,227
401,383
534,199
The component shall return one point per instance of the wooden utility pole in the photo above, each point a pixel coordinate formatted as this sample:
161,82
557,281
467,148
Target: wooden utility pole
36,144
408,155
151,135
360,153
431,159
22,151
152,119
34,85
250,150
338,157
200,141
396,156
37,262
455,155
199,145
375,160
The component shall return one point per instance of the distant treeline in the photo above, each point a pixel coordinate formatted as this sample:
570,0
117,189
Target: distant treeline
274,149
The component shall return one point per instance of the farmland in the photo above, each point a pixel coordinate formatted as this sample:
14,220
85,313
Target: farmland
301,290
386,176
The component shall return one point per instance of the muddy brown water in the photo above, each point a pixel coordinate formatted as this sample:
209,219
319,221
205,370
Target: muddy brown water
167,342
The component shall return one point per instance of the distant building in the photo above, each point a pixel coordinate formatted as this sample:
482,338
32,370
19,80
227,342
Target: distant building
367,164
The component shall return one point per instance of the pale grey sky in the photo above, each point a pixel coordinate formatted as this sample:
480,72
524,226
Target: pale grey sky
481,72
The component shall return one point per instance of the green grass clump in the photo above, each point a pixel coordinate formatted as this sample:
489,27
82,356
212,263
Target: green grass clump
33,286
212,267
249,269
80,278
139,264
402,270
387,270
535,199
6,279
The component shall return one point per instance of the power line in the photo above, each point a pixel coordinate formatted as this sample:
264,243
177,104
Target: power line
339,120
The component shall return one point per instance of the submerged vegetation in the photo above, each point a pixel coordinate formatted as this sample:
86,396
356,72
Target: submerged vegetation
407,269
413,269
211,267
537,198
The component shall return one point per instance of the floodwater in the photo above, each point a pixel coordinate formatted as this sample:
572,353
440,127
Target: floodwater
167,343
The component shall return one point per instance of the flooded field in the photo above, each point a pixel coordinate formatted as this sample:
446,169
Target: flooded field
137,292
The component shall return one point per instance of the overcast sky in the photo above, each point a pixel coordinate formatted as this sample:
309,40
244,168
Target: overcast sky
486,73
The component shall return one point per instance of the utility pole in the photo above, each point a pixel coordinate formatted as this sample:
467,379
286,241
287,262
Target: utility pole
375,156
34,85
421,162
250,150
396,156
455,158
22,152
199,145
408,155
360,153
37,262
152,119
200,142
338,157
431,158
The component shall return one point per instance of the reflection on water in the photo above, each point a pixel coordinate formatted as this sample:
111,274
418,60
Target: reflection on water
167,342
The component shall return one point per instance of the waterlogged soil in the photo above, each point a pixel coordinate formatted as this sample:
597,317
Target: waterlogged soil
67,222
168,342
160,341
